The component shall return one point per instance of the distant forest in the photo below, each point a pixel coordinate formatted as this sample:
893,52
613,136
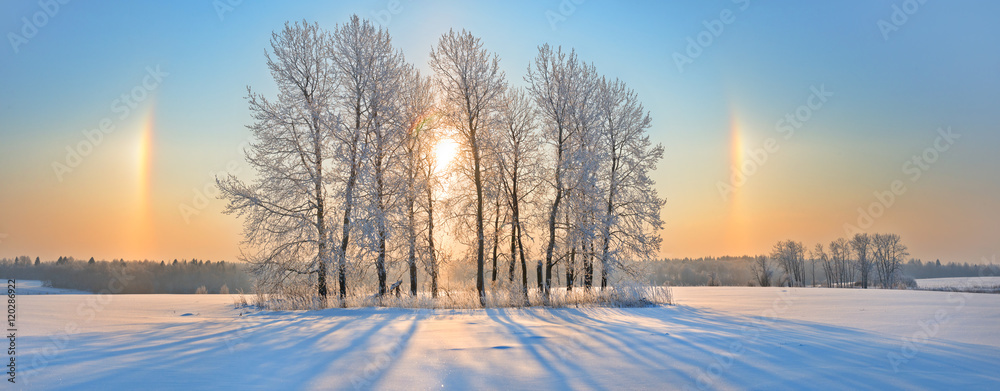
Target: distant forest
186,276
132,277
735,271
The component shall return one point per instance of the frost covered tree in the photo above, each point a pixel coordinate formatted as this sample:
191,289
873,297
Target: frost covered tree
559,84
373,78
519,164
819,255
382,176
500,213
630,220
761,269
419,140
601,192
430,178
470,81
286,208
841,264
351,53
585,190
861,244
888,255
790,256
347,173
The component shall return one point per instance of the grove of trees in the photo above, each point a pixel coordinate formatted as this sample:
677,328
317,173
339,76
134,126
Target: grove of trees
350,189
740,271
863,260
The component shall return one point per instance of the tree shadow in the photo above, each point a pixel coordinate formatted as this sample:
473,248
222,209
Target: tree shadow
262,351
732,351
566,348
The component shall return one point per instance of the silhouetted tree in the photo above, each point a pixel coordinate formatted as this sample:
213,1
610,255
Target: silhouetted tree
861,244
761,270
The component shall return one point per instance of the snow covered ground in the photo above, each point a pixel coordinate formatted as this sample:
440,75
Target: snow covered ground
958,282
715,338
32,287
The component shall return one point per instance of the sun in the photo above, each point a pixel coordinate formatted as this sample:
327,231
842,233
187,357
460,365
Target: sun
444,153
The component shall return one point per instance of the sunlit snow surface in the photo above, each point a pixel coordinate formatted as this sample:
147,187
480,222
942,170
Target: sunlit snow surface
715,338
958,282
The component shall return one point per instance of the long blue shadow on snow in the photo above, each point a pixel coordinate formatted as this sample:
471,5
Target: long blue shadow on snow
279,351
676,347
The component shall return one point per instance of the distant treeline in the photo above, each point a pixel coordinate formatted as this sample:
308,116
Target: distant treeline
735,271
710,271
918,269
188,276
132,277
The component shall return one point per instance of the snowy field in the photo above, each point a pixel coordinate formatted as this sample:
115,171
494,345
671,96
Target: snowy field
29,287
715,338
958,282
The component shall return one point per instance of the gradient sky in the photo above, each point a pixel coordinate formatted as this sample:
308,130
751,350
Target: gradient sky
939,68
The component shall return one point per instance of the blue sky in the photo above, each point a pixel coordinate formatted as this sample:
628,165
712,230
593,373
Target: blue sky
939,69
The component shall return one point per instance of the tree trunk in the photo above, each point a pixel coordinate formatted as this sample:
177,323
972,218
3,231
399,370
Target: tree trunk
548,278
380,203
538,272
380,261
321,280
516,247
513,245
321,283
348,205
413,243
496,239
320,203
605,246
606,232
430,241
524,266
553,213
480,245
569,269
588,267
